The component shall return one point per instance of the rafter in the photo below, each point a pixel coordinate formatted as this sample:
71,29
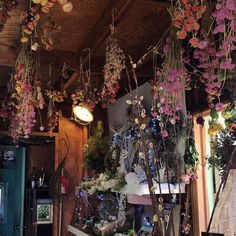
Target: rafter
98,42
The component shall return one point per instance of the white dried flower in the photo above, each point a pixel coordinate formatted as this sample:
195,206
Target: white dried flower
153,188
143,126
129,102
143,113
141,155
136,121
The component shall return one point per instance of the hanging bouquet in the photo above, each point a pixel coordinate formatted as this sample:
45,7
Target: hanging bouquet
86,93
115,63
46,5
24,102
186,17
29,21
169,85
52,114
26,97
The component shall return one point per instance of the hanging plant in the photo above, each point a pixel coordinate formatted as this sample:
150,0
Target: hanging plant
223,138
115,63
96,150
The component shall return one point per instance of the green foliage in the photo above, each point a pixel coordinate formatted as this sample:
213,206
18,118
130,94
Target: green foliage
222,149
98,147
224,140
191,154
112,159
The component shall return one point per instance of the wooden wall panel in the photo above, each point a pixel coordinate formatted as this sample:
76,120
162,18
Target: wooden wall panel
74,136
200,205
40,156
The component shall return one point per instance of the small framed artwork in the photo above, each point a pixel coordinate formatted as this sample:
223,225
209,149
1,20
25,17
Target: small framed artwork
44,211
3,202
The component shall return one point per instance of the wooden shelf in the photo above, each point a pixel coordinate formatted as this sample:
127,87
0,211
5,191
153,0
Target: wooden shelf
76,231
142,189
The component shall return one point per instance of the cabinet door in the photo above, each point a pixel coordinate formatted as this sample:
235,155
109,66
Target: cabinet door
12,174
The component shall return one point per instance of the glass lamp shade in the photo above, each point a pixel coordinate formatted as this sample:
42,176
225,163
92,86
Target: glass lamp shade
82,113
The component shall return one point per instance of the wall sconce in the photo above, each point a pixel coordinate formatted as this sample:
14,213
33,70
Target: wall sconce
82,114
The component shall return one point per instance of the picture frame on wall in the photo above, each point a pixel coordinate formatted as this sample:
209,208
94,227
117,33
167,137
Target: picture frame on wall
44,211
3,202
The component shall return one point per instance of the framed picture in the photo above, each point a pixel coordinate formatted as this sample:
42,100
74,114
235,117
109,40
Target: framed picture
44,211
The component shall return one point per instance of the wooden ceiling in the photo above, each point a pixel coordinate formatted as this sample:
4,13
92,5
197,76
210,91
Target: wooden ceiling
139,24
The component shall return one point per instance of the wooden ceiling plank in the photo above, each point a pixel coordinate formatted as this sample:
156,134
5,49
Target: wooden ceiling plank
101,23
117,18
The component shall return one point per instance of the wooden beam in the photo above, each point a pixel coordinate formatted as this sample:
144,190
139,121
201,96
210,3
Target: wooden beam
40,134
117,18
8,56
58,58
154,3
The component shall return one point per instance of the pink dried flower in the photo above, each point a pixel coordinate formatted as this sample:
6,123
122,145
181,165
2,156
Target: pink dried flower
164,134
219,106
227,64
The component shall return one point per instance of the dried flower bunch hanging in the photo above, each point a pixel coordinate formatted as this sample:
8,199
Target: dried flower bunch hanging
29,21
49,27
7,109
170,84
54,96
46,5
115,63
5,7
27,97
186,17
89,99
87,91
214,50
208,65
225,18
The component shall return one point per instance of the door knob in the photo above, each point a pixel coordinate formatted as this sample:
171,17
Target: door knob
16,227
